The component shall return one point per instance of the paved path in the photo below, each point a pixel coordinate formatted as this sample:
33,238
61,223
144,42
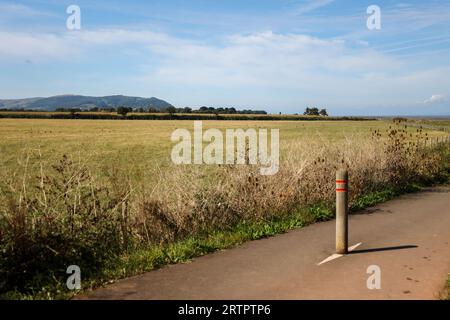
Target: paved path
408,238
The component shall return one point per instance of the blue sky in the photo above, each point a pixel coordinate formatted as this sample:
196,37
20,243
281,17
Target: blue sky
277,55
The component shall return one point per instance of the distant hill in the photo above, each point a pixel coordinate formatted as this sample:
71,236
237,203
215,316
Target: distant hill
82,102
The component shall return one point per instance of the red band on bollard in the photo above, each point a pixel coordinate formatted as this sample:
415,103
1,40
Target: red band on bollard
340,184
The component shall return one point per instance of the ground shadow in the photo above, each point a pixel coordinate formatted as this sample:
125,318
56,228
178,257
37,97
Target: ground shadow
383,249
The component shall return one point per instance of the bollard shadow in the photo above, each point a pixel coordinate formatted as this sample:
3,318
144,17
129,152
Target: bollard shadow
383,249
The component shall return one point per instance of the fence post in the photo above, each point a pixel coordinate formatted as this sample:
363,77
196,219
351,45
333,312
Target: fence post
342,211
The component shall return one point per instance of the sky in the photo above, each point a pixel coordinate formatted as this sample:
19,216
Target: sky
276,55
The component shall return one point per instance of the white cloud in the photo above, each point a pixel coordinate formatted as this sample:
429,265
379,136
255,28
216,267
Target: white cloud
71,45
17,45
266,59
10,12
312,5
11,9
435,98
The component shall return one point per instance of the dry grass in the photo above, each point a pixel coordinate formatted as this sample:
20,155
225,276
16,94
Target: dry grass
306,177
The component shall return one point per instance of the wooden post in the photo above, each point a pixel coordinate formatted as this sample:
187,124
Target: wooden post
342,212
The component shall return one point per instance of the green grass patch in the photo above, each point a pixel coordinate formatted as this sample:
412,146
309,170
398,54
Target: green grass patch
377,197
373,198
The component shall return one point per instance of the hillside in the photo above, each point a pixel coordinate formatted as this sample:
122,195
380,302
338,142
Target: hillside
83,102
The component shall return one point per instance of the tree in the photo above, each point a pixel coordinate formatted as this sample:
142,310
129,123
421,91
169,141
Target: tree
311,112
323,112
203,109
171,110
123,111
74,110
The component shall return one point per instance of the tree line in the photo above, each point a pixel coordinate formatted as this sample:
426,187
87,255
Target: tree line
123,110
188,110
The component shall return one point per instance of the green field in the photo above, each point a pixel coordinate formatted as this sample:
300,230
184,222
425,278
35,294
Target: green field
143,145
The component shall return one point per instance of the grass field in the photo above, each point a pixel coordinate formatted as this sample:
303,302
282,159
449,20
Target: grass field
141,145
105,195
440,125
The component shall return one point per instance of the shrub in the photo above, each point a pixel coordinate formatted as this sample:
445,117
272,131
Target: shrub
66,220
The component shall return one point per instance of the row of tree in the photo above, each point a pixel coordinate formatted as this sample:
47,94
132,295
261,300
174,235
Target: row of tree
202,110
172,110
